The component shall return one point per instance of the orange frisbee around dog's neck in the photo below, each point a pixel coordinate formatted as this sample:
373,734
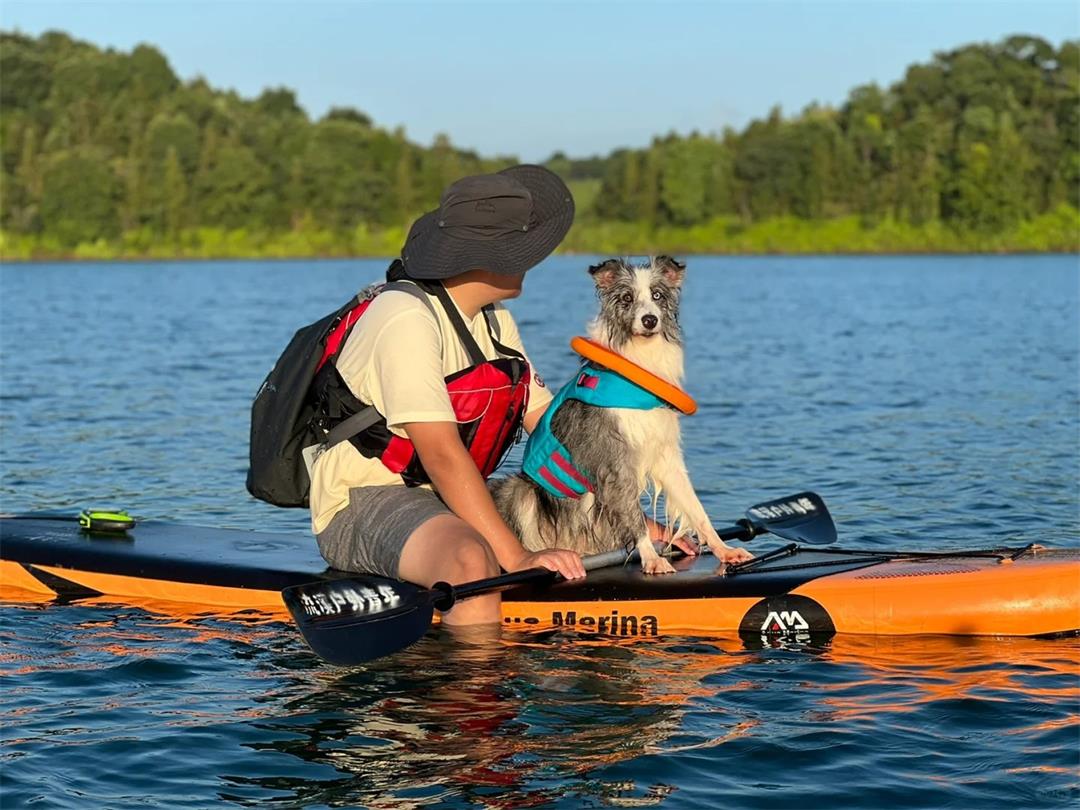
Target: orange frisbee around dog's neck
671,394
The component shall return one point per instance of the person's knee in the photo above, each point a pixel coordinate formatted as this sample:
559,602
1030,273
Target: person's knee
469,557
446,549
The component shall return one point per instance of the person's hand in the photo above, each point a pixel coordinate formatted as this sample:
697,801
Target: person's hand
663,534
685,543
567,563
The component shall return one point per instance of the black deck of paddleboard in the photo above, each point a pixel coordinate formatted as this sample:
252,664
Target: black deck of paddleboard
238,558
231,558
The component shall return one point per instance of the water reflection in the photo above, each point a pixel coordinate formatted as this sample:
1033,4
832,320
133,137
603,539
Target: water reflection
903,674
531,721
551,719
480,722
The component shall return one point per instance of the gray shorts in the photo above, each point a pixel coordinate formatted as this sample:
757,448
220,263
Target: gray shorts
369,534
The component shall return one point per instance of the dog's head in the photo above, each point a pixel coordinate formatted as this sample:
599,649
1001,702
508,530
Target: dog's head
638,302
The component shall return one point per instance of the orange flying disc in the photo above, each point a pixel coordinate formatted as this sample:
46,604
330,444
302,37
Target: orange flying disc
671,394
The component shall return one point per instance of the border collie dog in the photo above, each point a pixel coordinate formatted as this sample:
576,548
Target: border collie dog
621,451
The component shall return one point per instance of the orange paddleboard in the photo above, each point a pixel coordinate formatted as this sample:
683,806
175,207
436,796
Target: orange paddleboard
789,592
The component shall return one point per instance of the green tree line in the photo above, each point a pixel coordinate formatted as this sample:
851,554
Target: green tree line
106,153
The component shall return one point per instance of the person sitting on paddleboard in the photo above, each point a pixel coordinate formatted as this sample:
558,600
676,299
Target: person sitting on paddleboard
452,383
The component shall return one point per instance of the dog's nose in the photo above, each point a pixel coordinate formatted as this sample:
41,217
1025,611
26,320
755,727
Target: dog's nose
649,321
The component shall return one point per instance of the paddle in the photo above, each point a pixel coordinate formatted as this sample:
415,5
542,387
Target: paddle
358,618
803,518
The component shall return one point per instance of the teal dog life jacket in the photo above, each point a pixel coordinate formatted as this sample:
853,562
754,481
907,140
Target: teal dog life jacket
547,461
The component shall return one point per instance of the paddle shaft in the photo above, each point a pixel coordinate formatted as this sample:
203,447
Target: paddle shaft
446,595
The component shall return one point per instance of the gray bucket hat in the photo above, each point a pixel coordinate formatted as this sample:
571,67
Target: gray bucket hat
506,222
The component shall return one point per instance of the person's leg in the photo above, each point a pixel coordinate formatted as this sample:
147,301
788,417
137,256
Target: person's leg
408,533
446,548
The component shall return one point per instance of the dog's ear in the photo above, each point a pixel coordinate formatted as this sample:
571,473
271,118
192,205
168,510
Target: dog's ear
671,269
605,273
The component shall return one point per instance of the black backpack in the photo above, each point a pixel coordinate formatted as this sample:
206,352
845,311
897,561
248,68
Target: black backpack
283,415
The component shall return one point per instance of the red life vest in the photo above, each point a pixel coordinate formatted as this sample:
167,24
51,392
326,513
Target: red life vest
489,398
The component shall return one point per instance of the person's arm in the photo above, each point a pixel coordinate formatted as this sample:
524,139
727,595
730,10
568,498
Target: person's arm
460,485
539,395
534,416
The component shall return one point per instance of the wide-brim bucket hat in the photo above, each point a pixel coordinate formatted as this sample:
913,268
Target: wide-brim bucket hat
507,222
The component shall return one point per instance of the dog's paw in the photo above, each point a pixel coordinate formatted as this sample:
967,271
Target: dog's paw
732,554
657,566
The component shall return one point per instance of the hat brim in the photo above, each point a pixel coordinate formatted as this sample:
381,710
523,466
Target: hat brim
430,252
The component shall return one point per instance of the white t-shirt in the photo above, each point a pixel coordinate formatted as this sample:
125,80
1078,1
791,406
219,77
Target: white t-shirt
397,359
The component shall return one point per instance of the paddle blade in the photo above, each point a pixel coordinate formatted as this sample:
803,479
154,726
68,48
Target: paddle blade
356,619
803,518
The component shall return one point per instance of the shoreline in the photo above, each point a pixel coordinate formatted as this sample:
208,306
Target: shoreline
1057,231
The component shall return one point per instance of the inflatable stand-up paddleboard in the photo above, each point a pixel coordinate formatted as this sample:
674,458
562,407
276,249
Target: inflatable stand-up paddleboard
790,590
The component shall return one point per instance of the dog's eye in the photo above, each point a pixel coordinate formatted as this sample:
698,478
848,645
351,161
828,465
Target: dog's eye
628,298
657,295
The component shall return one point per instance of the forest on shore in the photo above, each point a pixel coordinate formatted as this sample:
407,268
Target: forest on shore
107,154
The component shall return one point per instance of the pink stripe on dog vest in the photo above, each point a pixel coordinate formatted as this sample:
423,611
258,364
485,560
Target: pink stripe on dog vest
559,485
568,468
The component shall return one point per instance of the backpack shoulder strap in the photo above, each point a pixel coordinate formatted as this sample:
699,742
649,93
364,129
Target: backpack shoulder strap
411,289
352,426
463,333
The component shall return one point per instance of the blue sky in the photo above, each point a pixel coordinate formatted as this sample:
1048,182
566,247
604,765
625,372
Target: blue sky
529,77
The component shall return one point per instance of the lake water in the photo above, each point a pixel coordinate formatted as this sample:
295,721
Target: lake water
932,401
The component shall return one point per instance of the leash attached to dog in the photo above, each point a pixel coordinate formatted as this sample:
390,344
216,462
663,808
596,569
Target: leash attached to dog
354,619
